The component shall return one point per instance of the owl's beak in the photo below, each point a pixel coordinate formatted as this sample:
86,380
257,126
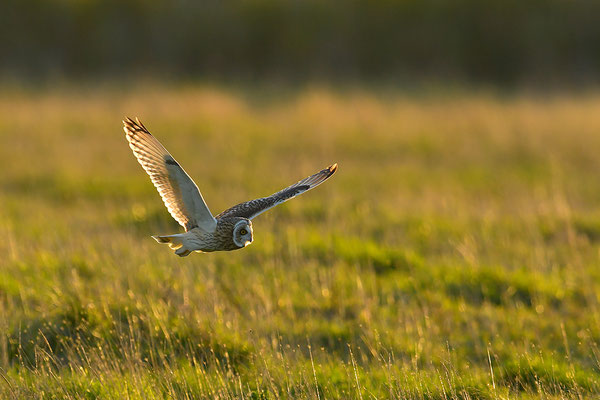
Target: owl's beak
246,243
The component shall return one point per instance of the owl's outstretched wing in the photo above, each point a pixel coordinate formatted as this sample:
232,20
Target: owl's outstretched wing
252,208
178,191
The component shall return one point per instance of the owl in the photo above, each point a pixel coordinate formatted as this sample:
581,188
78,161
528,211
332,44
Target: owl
231,229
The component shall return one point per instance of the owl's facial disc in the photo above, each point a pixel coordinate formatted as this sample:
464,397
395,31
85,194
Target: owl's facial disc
242,233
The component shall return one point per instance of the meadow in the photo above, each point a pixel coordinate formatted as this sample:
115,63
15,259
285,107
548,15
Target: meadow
454,255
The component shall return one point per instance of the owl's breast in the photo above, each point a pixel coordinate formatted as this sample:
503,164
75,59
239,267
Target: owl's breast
219,240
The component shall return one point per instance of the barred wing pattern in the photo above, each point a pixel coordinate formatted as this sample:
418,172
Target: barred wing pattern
253,208
178,191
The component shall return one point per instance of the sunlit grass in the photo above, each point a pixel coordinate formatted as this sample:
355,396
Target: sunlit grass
454,255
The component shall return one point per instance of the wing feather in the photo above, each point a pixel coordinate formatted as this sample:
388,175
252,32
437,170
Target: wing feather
253,208
177,190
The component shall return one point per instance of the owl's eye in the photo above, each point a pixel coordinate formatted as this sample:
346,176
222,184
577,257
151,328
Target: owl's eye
243,232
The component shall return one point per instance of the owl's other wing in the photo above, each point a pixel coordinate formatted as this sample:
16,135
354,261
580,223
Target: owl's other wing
253,208
178,191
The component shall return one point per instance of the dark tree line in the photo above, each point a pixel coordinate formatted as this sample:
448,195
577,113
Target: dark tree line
498,41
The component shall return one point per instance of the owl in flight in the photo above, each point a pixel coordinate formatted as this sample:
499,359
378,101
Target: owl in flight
230,230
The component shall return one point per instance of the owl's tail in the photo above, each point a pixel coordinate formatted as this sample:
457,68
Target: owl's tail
175,242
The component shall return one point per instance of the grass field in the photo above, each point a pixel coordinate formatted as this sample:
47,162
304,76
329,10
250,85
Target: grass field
454,255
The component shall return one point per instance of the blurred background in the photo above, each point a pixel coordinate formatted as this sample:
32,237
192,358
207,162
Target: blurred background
454,255
502,42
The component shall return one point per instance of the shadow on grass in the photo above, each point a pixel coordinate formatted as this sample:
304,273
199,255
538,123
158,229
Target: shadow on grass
503,287
121,332
363,253
549,375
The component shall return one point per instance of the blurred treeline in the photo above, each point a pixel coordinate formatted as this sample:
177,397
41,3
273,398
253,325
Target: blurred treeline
497,41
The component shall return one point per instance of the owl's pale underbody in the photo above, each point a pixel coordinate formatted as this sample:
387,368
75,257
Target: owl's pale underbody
231,229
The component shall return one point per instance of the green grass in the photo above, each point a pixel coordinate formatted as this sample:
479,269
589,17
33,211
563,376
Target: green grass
455,254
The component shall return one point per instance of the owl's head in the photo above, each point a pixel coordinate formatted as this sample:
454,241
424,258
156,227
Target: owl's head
242,233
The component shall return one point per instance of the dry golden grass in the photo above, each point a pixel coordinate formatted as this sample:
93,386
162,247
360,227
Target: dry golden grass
454,255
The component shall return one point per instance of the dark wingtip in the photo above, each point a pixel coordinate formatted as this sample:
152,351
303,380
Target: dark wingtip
170,161
134,125
129,123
